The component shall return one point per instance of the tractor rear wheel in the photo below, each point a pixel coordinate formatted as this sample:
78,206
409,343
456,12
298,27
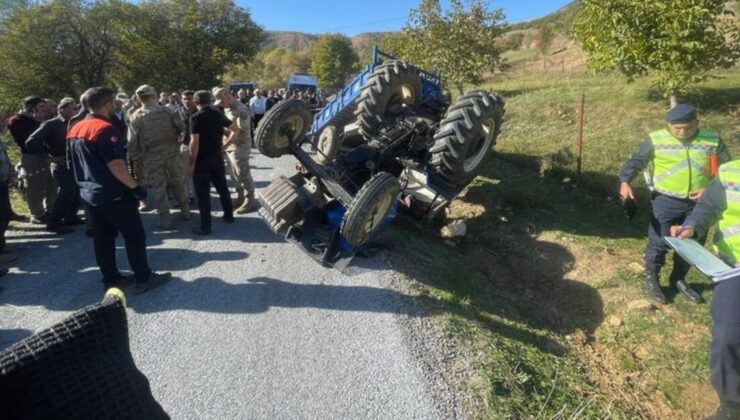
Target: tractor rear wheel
465,136
392,86
327,145
367,211
283,125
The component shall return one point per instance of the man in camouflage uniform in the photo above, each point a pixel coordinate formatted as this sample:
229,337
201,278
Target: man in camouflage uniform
153,140
237,147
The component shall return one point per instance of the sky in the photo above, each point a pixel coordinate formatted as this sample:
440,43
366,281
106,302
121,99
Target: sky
351,17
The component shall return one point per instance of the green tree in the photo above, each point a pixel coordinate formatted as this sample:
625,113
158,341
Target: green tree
333,60
59,48
458,43
678,41
178,44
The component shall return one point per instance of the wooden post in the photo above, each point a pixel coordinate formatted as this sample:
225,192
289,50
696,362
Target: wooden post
579,140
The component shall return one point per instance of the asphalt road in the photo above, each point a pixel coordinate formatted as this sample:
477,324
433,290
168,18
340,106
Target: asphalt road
249,327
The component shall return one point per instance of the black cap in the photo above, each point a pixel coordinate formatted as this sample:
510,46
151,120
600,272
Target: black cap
681,113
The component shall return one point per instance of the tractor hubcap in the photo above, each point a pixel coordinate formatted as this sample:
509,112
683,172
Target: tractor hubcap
478,148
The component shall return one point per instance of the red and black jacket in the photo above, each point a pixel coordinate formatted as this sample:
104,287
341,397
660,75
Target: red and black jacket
93,143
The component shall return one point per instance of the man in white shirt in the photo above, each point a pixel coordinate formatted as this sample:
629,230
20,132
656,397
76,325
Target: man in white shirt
258,106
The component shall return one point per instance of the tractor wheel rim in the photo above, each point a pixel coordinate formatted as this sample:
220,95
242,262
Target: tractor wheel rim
378,214
324,143
480,146
289,130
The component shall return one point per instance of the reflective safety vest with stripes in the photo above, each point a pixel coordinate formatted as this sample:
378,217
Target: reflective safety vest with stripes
682,169
727,237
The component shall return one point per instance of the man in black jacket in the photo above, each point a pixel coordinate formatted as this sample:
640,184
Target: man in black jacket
51,140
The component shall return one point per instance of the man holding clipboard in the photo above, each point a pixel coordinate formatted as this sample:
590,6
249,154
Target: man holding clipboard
719,204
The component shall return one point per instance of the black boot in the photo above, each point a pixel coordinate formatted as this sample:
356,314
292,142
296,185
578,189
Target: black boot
677,279
653,288
690,294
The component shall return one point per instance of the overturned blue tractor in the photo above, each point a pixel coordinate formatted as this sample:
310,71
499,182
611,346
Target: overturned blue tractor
388,141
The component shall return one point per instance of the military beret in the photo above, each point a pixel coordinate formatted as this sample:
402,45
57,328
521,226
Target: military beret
681,113
145,90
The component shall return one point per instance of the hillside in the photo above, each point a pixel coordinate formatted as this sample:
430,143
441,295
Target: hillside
300,41
559,20
296,41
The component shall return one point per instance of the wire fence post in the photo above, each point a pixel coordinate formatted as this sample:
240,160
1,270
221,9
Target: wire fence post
579,139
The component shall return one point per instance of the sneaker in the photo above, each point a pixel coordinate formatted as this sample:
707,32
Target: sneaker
155,280
59,229
200,231
144,207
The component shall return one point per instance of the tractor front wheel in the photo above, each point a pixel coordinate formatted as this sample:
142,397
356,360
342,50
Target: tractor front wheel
370,207
466,135
283,125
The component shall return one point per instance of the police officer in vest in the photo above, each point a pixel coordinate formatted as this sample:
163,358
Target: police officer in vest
721,203
684,159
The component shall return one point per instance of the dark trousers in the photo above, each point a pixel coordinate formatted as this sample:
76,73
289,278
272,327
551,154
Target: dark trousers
5,212
109,219
68,197
206,173
667,212
724,359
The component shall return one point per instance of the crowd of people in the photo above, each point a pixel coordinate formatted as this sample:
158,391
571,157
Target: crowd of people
102,156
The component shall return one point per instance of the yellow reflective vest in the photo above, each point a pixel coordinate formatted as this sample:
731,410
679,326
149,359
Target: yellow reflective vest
727,237
682,169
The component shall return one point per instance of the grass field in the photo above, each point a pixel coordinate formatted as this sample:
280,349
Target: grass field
544,296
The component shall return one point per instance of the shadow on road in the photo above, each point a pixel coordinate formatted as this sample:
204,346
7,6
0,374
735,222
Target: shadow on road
259,294
244,229
72,286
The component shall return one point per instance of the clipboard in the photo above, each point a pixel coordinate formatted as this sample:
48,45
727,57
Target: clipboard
704,261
